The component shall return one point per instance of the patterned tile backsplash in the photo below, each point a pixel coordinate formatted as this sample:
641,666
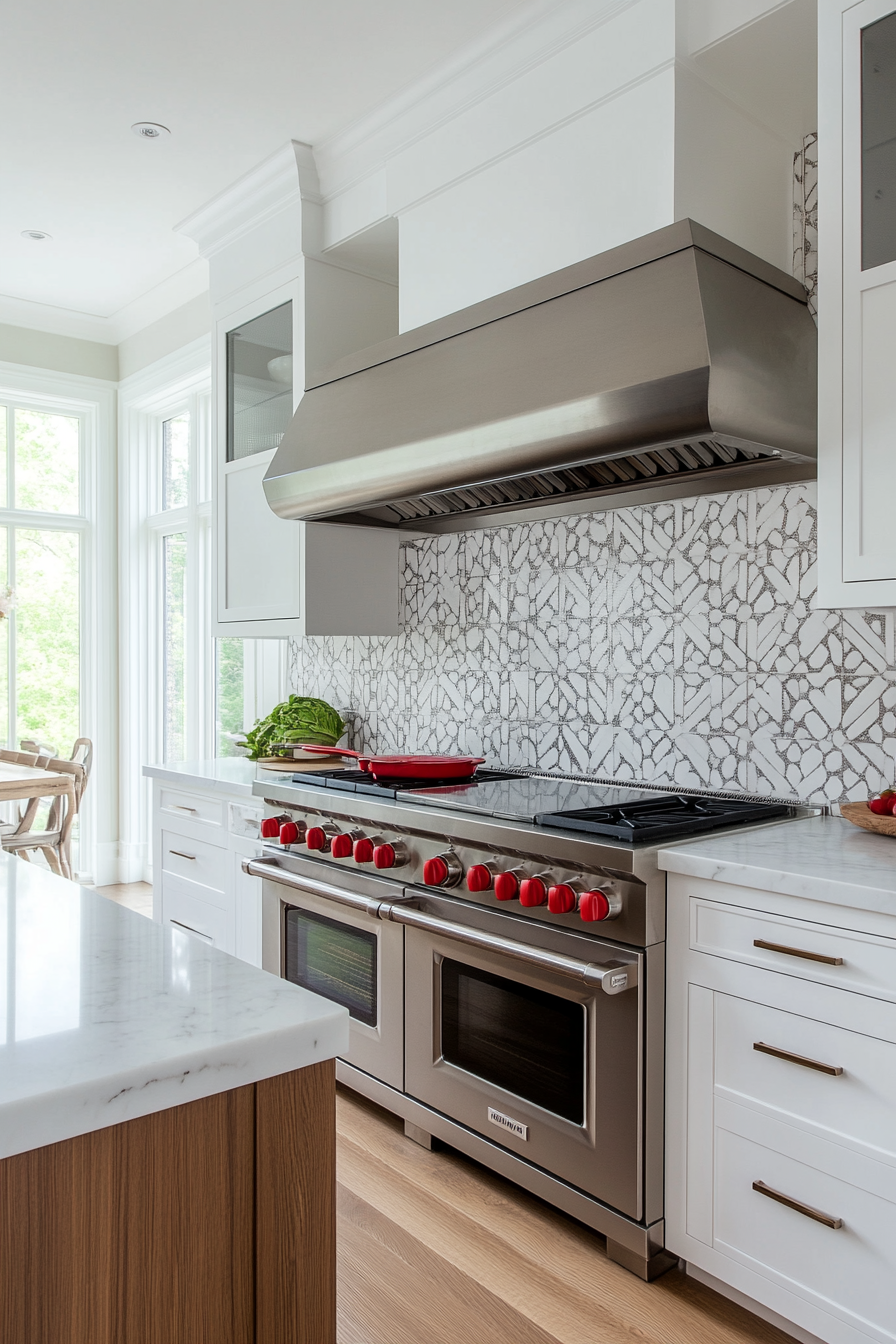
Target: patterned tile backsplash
674,643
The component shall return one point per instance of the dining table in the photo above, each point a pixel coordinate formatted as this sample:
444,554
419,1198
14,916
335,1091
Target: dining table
19,782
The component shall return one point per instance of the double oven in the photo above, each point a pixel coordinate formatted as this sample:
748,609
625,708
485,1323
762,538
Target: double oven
522,1042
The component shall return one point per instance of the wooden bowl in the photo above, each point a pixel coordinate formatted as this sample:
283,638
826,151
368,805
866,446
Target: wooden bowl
860,814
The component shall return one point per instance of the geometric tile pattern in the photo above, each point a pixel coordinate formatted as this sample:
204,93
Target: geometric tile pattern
670,642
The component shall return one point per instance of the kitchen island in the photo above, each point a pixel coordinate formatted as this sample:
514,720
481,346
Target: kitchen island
167,1142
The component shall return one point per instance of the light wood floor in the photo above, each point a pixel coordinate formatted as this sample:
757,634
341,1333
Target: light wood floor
432,1249
135,895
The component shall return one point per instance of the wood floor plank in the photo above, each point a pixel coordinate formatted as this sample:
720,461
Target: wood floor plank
378,1260
549,1269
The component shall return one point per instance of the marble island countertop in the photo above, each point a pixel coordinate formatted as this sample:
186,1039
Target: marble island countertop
107,1016
819,858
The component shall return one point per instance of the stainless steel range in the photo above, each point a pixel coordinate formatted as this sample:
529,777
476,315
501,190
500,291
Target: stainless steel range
500,947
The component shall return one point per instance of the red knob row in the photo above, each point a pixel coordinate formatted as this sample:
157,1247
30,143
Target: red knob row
444,870
341,846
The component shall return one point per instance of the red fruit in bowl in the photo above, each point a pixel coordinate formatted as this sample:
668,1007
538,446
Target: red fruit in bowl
882,803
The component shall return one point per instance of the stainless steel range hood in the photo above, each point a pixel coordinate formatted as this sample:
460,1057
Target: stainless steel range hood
674,365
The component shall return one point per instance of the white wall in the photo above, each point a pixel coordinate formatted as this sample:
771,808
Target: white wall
731,172
170,333
65,354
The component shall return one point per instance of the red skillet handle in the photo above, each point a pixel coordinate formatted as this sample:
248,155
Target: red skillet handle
317,749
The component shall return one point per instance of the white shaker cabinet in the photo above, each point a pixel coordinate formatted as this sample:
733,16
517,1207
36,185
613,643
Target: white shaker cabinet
781,1106
857,303
200,837
282,310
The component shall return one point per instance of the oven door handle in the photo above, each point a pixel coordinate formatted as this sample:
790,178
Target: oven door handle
613,978
271,871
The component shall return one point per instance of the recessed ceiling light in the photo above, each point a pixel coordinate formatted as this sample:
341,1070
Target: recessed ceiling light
149,130
36,235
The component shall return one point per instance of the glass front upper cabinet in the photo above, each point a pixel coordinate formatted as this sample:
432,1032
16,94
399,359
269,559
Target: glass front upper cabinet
259,383
879,143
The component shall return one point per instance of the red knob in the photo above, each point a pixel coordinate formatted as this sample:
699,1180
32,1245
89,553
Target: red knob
593,905
561,899
341,846
289,833
532,891
479,878
363,851
384,856
270,827
435,872
506,886
315,837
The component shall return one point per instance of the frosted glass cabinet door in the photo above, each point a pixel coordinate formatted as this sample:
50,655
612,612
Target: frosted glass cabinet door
869,291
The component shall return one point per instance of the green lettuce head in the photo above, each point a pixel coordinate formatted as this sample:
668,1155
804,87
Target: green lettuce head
299,719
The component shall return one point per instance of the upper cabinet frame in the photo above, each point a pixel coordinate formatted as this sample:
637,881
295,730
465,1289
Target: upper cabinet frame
857,317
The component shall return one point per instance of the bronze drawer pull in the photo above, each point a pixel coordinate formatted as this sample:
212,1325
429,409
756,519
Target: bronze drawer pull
833,1069
182,807
797,952
761,1188
181,855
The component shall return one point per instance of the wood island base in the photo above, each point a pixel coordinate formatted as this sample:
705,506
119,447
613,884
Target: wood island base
208,1223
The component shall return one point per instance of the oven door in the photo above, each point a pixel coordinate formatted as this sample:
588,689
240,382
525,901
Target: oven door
342,952
547,1068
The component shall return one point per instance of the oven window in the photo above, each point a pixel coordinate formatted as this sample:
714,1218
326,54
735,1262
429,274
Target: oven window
523,1040
333,959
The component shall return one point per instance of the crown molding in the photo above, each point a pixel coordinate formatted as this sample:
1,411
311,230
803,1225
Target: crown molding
171,293
287,177
57,321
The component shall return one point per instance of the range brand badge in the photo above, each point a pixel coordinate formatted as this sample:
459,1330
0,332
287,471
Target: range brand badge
505,1122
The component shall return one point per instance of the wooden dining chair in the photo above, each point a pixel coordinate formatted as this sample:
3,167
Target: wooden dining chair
54,841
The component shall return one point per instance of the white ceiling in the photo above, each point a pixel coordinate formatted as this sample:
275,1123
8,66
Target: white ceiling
232,80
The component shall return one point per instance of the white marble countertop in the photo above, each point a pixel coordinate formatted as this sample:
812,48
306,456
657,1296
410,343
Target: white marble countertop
107,1016
227,774
821,858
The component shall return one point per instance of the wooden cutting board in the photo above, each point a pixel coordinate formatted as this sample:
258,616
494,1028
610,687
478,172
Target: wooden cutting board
292,765
860,814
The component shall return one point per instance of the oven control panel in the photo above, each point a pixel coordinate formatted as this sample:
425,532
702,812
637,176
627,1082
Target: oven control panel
519,883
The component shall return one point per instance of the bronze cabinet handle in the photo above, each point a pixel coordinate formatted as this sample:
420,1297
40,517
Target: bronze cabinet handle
797,1204
797,952
833,1069
181,855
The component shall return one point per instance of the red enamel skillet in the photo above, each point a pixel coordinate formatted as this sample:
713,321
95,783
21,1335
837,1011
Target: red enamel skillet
403,766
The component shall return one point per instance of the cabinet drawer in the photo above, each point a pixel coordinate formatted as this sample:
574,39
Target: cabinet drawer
850,1270
183,907
196,860
192,807
845,959
857,1106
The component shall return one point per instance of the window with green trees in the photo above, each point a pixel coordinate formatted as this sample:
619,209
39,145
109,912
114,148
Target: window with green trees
42,530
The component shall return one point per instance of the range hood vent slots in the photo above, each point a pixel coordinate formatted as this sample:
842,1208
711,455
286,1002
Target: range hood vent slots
674,365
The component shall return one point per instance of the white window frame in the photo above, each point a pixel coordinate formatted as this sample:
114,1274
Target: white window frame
179,382
92,401
193,519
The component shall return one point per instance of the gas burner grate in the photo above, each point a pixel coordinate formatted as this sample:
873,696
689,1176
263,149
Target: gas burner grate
654,821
